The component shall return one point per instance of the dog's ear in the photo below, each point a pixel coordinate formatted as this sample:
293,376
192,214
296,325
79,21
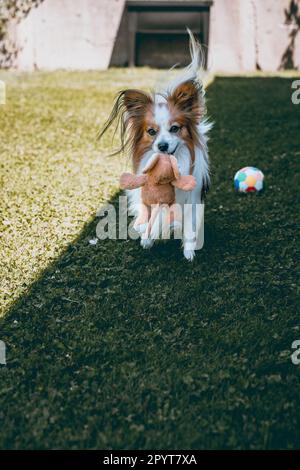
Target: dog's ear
187,97
151,163
136,102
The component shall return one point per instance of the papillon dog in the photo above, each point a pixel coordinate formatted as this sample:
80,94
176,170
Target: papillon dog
170,120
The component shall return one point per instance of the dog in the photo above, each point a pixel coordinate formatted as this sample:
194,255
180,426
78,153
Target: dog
171,120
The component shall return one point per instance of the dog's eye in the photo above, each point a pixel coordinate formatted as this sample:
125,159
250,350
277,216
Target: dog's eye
174,129
151,131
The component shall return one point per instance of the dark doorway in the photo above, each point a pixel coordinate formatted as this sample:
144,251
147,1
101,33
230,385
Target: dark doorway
154,33
162,50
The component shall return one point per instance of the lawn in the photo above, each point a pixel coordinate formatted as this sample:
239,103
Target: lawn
110,346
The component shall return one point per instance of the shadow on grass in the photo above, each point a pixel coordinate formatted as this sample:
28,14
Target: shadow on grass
117,347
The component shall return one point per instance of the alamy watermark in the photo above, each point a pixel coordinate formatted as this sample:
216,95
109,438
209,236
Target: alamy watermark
160,221
2,93
295,357
296,94
2,353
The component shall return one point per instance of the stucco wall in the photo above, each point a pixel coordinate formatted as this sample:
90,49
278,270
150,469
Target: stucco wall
244,33
72,34
80,34
273,33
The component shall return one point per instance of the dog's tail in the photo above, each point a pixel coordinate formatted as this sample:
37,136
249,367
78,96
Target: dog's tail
195,69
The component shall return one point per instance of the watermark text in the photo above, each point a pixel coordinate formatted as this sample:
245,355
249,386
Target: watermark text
2,93
296,93
295,357
2,353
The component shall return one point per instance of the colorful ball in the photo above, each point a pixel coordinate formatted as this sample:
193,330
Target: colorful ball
249,179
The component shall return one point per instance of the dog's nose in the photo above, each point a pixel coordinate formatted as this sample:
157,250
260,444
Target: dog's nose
163,146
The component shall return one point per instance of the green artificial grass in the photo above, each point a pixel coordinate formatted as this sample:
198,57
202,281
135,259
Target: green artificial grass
110,346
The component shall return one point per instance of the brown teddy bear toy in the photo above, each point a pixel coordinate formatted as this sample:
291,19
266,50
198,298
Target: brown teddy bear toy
158,182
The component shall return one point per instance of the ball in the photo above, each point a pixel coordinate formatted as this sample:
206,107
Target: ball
249,179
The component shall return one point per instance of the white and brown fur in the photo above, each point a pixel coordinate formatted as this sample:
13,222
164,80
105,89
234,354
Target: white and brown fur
172,119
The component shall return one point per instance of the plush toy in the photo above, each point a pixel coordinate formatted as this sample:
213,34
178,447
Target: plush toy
158,182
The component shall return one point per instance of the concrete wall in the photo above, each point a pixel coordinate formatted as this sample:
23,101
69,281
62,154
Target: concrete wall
72,34
80,34
247,33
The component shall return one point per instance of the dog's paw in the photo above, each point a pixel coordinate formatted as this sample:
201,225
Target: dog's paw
147,243
189,254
